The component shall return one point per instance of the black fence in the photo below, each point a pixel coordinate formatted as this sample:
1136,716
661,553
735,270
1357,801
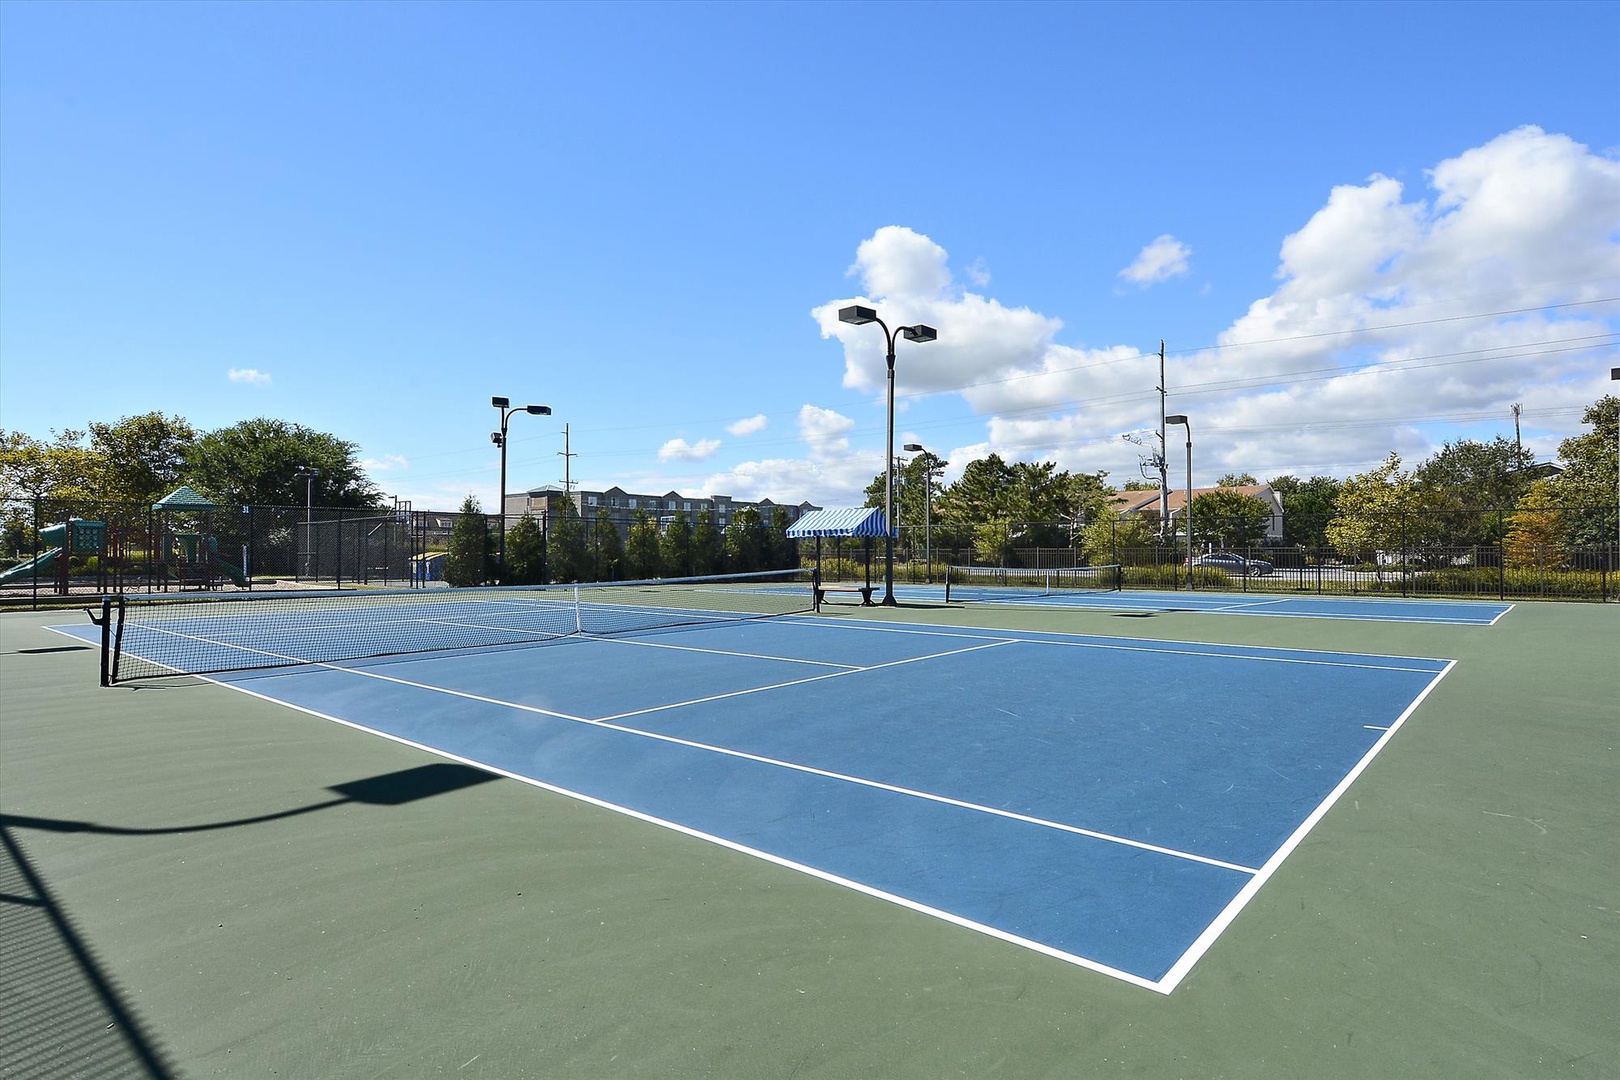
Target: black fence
52,550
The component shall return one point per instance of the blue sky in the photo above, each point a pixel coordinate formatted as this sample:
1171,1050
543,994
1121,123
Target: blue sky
369,218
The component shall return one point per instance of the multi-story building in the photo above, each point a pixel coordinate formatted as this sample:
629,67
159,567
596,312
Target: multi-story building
622,506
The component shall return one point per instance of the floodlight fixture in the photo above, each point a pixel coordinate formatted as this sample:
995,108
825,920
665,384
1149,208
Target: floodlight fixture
920,333
856,315
499,439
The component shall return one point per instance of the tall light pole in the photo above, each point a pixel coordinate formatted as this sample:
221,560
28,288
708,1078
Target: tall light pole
930,463
308,474
499,439
1614,375
1184,422
856,315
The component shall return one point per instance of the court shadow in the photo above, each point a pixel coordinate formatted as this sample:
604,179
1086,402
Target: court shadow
51,649
74,1021
1134,614
389,789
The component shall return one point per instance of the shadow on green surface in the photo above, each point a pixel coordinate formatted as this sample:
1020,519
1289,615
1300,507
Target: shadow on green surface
389,789
60,1015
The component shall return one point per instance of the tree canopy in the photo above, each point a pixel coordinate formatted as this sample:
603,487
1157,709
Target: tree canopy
265,462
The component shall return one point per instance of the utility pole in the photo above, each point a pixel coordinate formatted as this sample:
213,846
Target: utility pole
567,456
1518,448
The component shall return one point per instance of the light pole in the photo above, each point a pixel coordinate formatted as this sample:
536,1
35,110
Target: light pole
1184,422
499,439
308,473
856,315
930,463
1614,375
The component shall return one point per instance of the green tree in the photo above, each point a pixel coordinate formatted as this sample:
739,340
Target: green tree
1308,506
472,546
1109,538
567,558
1228,518
980,495
59,469
1587,487
745,542
606,547
263,461
1236,480
1371,509
525,553
141,458
783,553
642,554
1535,537
675,547
708,546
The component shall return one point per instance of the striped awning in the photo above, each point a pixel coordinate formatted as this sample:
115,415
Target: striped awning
854,521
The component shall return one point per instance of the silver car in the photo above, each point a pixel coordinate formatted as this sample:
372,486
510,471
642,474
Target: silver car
1233,563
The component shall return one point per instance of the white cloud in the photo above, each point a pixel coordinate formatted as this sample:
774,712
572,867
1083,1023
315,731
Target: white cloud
826,431
748,426
1377,335
1161,260
252,376
681,450
386,463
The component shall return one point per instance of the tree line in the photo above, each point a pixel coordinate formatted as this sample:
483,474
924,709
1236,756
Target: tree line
568,548
139,459
1467,493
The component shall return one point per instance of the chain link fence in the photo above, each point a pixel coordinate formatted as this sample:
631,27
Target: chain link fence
53,550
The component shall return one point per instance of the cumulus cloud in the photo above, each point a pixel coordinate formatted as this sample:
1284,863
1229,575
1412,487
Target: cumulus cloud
251,376
824,431
748,426
386,463
681,450
1378,336
1161,260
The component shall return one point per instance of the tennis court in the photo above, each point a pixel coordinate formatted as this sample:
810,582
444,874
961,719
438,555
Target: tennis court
977,769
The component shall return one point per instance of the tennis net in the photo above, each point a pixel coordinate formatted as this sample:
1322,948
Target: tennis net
149,637
1008,583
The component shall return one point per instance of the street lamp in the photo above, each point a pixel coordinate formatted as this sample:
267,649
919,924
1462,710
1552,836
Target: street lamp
930,463
499,439
856,315
1184,422
308,474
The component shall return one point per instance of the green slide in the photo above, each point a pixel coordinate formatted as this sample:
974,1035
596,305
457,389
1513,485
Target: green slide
41,563
231,571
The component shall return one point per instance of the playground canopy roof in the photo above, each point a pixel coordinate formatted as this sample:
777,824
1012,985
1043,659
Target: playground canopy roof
184,498
854,521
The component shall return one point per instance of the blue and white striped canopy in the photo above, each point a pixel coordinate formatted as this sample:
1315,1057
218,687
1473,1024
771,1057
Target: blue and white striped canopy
855,521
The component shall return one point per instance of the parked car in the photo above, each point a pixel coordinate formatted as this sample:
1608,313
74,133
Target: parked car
1233,563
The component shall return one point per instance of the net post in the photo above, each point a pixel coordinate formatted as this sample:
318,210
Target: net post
104,622
117,641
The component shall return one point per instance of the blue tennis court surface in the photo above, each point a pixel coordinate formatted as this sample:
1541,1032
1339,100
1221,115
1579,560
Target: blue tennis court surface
1302,605
1107,801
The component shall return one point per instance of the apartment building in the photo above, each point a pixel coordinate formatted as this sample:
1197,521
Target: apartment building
622,506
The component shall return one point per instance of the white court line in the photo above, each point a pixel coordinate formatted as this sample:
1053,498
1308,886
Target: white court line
793,766
1055,637
727,652
1195,952
1100,642
687,830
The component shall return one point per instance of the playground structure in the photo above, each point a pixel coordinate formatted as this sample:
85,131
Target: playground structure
168,544
66,540
188,553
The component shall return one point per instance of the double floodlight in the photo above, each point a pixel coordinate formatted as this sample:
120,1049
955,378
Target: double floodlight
856,315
